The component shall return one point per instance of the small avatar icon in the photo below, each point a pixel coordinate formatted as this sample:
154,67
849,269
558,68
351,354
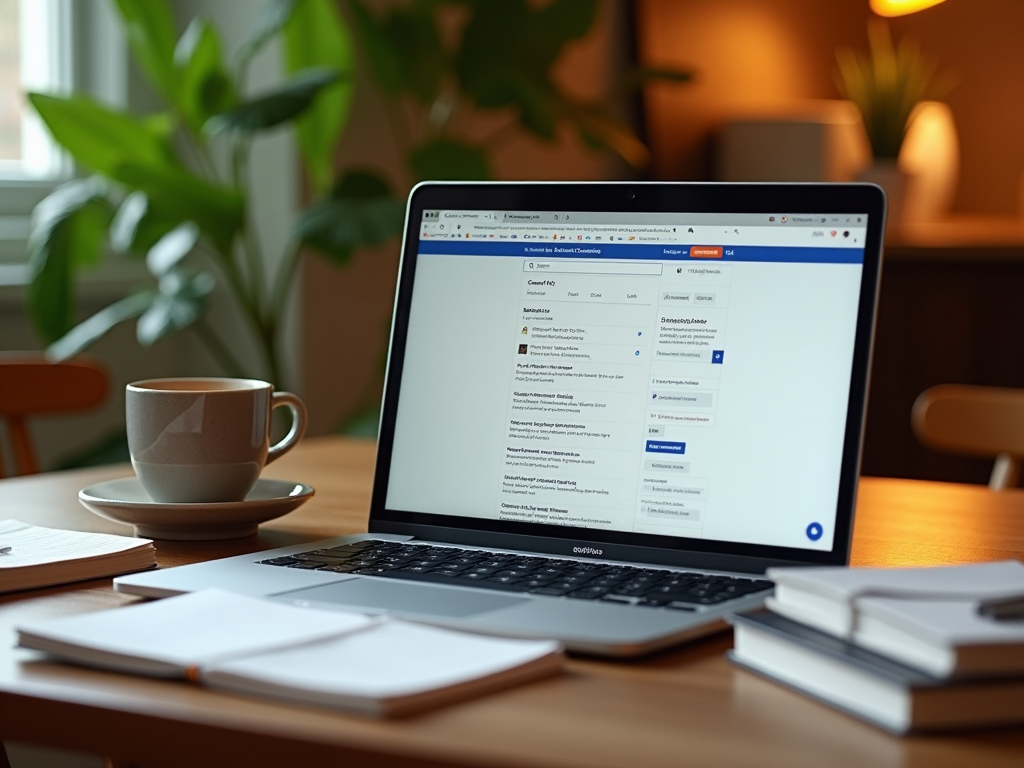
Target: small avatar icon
526,330
522,349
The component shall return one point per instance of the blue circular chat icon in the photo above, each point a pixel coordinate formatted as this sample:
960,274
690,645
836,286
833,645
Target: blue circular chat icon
637,352
814,531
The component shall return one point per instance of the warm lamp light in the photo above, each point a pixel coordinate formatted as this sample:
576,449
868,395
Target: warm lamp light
901,7
930,157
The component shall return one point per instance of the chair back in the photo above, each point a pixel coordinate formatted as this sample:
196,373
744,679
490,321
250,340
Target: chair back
31,385
974,420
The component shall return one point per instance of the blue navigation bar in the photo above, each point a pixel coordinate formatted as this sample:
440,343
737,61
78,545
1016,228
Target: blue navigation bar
764,253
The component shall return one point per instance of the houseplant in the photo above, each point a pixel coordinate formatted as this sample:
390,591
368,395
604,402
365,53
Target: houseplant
887,84
170,188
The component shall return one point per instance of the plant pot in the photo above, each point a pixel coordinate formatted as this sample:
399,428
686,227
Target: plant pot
893,181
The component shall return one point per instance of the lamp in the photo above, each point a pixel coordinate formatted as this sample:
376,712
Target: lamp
901,7
913,141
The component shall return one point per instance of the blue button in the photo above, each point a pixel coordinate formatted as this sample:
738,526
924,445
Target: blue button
717,356
814,531
660,446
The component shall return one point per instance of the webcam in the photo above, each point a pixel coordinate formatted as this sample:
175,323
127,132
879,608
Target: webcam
631,194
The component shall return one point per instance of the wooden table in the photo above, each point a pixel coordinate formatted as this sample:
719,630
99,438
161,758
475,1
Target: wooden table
686,707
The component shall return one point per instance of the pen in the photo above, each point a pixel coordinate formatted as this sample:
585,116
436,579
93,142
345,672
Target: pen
1002,607
4,550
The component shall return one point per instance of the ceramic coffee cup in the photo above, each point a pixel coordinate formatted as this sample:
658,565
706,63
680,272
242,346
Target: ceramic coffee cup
199,440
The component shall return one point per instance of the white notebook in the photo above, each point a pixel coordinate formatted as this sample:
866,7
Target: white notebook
927,618
828,597
232,642
39,557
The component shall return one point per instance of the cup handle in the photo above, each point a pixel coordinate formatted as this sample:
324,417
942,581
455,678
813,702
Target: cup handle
298,409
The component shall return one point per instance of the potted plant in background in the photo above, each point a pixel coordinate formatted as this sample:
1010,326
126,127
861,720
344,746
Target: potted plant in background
169,188
887,84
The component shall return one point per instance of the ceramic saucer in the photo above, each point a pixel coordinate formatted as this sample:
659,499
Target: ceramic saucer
125,501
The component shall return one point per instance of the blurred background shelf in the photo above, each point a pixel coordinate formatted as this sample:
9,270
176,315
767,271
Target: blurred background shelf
951,310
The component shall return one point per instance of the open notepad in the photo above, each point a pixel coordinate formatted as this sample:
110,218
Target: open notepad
232,642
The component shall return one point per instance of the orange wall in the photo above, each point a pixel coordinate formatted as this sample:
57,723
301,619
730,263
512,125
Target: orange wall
763,54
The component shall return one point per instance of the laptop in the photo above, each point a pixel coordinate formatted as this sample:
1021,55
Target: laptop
608,408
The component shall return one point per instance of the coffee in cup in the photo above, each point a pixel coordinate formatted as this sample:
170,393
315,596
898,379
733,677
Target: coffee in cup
201,440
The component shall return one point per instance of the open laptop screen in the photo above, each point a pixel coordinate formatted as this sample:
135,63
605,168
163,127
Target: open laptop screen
668,375
684,375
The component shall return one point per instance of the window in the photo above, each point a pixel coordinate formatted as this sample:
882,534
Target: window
51,46
34,48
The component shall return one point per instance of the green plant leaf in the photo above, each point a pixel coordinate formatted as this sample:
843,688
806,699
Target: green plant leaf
280,105
360,211
68,227
64,202
379,48
276,14
887,85
126,222
97,326
180,301
508,52
101,138
450,160
637,77
172,248
360,184
603,130
151,35
316,36
516,37
137,226
206,89
564,20
179,195
415,37
539,105
488,52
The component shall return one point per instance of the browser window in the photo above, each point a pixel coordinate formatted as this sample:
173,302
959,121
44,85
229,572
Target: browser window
676,374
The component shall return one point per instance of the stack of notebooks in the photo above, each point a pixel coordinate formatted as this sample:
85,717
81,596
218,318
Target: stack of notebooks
907,649
367,665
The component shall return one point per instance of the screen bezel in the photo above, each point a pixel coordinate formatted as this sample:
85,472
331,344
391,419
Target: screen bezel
645,197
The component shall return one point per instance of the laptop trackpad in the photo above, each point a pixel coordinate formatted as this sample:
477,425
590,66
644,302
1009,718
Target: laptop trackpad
398,597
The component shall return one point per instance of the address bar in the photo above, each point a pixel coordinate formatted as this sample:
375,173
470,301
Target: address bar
592,267
560,227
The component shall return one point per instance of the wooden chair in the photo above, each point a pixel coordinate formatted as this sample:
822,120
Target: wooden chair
980,421
31,385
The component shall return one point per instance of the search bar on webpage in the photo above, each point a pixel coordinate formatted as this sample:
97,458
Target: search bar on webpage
592,267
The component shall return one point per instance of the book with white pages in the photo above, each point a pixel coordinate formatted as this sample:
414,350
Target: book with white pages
231,642
868,685
41,557
925,617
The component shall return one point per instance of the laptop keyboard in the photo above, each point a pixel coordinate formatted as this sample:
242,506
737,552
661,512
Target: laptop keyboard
580,580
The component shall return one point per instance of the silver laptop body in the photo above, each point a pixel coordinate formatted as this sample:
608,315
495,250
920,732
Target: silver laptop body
649,380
